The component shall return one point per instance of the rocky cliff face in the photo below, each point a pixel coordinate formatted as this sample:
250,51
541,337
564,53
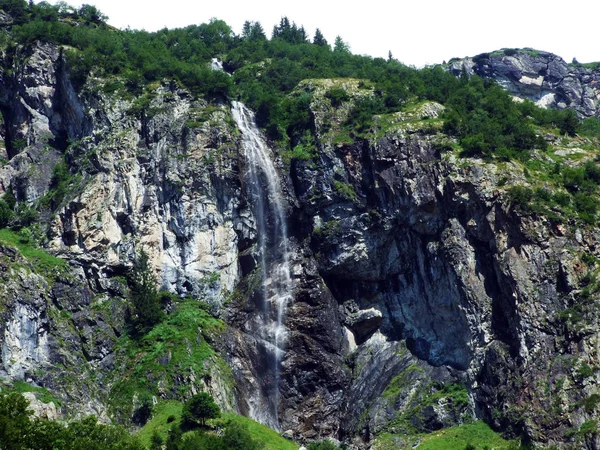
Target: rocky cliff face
422,296
165,180
541,77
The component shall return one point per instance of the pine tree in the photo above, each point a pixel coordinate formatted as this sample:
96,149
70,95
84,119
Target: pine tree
247,30
340,45
256,32
319,39
302,36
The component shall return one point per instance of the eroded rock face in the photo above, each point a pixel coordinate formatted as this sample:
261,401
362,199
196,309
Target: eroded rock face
472,288
541,77
165,180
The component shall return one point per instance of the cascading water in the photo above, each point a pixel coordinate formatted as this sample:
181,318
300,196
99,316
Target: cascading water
264,192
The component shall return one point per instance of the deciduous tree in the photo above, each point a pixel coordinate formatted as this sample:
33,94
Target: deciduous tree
199,408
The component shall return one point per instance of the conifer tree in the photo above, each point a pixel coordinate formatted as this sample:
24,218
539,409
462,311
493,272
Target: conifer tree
319,39
144,296
340,46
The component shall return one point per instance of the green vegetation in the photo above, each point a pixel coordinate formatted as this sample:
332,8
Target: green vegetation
344,189
478,435
322,445
266,71
270,438
143,294
566,192
590,127
337,96
455,397
41,393
229,431
167,357
42,262
400,382
162,356
60,187
169,414
164,414
198,409
19,431
579,435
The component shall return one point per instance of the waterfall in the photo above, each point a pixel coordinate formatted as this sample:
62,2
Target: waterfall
264,192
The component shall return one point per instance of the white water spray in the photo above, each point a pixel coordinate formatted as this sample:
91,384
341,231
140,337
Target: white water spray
264,191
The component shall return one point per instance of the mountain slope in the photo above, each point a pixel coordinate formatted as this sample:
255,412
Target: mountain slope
429,288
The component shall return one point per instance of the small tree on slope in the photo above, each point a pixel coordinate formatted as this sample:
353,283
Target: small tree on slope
144,296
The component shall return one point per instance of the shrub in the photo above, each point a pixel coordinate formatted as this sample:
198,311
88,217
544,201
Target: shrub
337,95
590,127
6,214
14,420
156,441
238,437
521,196
143,412
174,438
322,445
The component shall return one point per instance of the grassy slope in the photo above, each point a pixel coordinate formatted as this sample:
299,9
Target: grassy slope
41,261
159,423
270,438
455,438
174,350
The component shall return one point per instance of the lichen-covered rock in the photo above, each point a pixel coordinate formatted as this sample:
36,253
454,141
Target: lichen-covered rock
40,409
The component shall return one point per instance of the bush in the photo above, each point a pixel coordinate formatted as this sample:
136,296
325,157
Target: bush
25,215
521,196
18,431
143,411
569,123
202,441
322,445
174,438
238,437
91,14
590,127
6,214
14,420
156,441
337,95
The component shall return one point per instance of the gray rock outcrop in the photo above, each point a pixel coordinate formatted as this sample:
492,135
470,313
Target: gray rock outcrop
542,77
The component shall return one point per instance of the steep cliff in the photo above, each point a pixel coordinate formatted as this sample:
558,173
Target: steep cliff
424,294
165,180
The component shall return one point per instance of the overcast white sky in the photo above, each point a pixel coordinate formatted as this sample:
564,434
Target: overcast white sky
418,32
